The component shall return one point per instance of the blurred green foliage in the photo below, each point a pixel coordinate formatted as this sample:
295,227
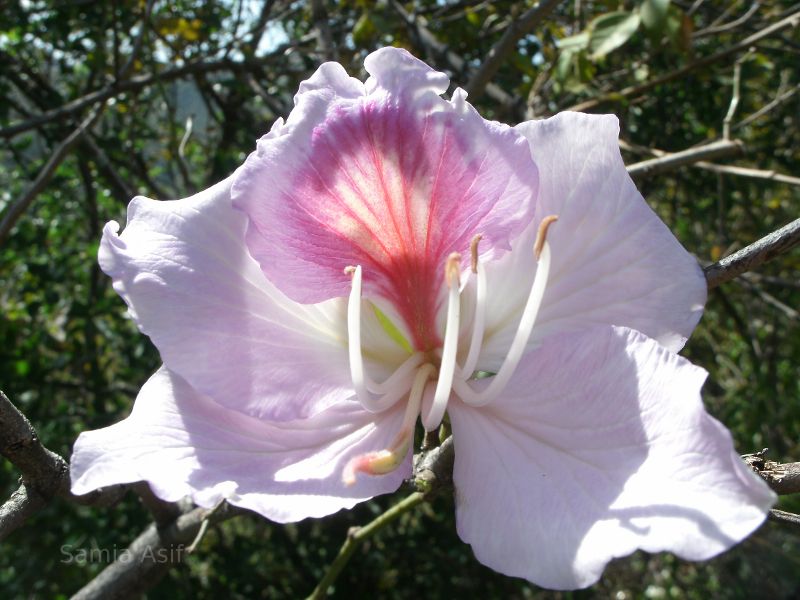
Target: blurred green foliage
72,360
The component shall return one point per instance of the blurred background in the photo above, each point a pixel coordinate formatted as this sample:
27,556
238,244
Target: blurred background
104,100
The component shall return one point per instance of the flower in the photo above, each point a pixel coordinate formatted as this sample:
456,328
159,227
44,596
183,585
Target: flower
365,265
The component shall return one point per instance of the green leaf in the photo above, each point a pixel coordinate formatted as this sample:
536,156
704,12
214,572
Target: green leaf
609,32
654,13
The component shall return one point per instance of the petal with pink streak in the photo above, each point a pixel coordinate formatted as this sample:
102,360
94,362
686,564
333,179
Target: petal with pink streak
184,270
393,180
600,445
185,444
614,261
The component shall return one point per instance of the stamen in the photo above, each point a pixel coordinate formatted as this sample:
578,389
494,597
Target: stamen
386,461
447,369
473,252
541,235
523,334
397,384
479,320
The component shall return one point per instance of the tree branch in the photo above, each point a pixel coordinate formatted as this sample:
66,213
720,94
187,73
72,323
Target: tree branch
15,211
754,255
635,90
453,60
783,478
507,44
45,474
781,516
142,564
671,161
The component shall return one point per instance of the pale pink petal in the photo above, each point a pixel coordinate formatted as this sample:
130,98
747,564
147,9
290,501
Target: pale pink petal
185,444
393,180
614,261
185,272
599,446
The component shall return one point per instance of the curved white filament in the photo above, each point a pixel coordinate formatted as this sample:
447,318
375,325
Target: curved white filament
387,460
447,369
521,337
478,324
396,386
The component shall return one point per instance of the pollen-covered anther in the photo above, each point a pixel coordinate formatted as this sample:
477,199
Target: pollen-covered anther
541,235
473,252
452,270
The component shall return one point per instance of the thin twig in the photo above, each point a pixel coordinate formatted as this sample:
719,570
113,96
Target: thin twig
439,50
669,162
506,45
359,534
757,253
781,516
142,564
636,90
319,16
15,211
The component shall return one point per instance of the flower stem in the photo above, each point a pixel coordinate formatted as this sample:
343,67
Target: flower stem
358,535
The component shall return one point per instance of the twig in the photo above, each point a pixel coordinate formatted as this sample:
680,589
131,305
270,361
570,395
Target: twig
506,44
635,90
15,211
777,101
45,474
456,63
781,516
783,478
737,78
140,566
757,253
748,172
319,16
715,29
357,535
142,81
669,162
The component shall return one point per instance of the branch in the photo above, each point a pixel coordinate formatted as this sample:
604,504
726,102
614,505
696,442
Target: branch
455,62
15,211
319,17
356,535
507,44
669,162
635,90
783,478
142,564
781,516
754,255
142,81
45,474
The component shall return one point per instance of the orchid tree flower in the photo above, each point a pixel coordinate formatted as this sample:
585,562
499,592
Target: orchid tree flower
386,255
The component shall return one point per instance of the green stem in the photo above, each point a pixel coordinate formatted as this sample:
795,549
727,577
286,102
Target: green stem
358,535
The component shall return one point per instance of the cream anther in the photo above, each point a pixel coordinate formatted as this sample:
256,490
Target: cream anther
473,252
452,270
541,235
